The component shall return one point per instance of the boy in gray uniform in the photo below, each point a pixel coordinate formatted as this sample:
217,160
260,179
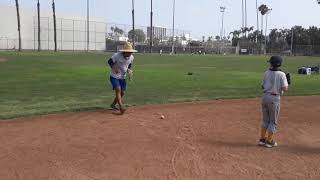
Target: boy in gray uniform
274,84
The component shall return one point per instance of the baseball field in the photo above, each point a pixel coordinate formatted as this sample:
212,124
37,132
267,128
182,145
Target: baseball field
56,123
33,83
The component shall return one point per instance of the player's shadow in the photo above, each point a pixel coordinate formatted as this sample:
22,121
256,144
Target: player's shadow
300,149
231,144
110,111
294,149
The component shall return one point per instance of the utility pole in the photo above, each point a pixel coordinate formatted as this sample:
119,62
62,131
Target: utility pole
88,21
133,28
257,9
242,14
246,15
257,19
39,29
18,20
265,42
222,10
173,17
291,41
54,26
151,28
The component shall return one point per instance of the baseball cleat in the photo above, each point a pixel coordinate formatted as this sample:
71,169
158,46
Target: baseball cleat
271,144
122,109
262,142
114,107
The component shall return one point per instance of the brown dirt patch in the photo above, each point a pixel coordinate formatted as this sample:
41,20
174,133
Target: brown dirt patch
3,59
205,140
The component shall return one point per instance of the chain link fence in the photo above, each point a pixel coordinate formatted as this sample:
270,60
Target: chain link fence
71,34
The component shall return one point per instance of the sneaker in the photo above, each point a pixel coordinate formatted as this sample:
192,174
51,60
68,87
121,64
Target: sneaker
114,107
262,142
122,109
271,144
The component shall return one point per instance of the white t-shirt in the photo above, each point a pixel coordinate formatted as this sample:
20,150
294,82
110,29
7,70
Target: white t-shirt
274,81
121,64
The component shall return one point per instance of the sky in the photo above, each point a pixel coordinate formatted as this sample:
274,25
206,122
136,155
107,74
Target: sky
201,17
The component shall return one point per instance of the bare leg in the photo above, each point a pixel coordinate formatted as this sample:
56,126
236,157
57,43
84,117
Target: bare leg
122,108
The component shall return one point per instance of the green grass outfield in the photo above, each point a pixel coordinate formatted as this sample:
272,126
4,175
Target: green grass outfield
41,83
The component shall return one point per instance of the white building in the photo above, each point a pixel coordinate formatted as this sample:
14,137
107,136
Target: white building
71,30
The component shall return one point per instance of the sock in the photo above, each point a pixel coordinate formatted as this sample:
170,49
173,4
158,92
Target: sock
263,133
270,136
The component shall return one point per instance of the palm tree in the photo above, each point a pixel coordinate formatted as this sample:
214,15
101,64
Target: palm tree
235,34
250,29
54,25
263,10
18,19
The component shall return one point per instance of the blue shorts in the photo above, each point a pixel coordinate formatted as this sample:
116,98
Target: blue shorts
118,83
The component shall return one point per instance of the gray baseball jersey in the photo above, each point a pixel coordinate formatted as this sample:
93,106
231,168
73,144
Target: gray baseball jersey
273,83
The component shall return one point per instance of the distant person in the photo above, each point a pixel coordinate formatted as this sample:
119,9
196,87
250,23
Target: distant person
274,84
121,65
160,52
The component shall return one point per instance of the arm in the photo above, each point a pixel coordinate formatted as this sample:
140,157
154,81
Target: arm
111,62
284,83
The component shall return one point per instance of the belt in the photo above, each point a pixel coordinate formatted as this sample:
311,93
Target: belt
273,94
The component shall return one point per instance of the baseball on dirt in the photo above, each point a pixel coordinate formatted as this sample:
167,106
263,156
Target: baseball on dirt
162,117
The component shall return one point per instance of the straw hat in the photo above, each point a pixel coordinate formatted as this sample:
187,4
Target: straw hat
127,47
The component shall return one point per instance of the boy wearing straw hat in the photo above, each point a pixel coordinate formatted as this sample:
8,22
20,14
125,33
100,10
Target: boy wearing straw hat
121,65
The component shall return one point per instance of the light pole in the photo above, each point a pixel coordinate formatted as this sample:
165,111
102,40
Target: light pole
265,41
257,15
88,18
246,15
18,21
257,19
39,28
173,16
242,14
133,28
292,40
222,10
54,25
151,28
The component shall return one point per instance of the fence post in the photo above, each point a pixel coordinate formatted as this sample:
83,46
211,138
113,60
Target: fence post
95,36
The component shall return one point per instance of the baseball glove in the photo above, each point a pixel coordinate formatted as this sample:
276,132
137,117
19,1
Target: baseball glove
130,73
288,78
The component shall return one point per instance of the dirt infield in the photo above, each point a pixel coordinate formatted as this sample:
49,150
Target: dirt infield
203,140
